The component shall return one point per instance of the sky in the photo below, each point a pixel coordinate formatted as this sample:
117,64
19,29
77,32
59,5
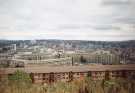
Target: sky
102,20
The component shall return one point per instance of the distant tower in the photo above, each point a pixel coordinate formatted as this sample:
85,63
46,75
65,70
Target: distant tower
72,61
14,47
63,47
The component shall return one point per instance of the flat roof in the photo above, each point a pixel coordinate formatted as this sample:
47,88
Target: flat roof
57,69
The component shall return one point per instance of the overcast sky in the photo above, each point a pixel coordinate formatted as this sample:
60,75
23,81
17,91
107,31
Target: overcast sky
67,19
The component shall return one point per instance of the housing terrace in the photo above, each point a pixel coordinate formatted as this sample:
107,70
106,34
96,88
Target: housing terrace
48,74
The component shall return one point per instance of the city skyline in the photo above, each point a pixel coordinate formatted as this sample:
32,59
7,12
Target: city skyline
103,20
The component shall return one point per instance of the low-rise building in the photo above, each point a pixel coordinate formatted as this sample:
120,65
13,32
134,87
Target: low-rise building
52,74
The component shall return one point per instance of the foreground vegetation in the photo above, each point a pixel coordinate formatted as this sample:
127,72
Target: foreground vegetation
20,82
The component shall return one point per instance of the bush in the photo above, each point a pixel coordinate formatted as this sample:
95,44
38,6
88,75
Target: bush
20,78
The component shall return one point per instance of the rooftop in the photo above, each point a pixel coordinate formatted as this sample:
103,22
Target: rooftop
56,69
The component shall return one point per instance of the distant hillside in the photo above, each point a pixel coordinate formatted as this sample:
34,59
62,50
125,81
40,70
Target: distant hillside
75,43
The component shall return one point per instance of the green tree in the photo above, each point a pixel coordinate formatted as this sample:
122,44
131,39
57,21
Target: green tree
21,79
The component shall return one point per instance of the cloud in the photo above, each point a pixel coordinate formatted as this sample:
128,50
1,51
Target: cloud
117,2
67,19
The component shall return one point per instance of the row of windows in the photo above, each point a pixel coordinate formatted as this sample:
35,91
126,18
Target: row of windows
81,74
60,74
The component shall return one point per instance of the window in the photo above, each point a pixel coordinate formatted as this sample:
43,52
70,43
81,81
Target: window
63,74
82,73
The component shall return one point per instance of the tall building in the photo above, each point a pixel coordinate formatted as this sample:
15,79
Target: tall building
14,46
